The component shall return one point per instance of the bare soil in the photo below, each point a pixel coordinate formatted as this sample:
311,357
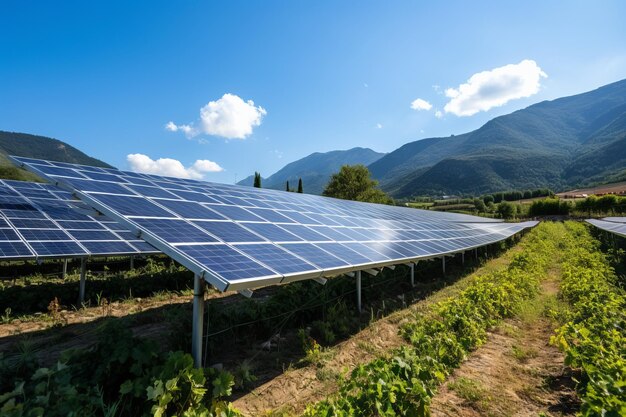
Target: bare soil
289,392
516,373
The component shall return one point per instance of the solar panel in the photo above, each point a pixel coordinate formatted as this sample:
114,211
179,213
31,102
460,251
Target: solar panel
615,225
239,239
48,223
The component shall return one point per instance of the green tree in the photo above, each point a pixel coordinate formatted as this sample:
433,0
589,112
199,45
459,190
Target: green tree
300,190
353,182
287,186
506,210
479,205
257,180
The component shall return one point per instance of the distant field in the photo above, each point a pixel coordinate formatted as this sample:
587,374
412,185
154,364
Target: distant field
615,188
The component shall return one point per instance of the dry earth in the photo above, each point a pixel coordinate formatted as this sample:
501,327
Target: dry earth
290,392
516,373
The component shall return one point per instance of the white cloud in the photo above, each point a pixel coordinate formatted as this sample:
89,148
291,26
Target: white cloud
171,167
379,126
488,89
419,104
438,114
187,129
229,117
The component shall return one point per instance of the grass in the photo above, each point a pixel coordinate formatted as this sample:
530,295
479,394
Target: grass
471,391
522,353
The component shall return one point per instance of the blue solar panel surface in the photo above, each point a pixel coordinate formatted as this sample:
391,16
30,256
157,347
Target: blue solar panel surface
238,237
44,221
615,225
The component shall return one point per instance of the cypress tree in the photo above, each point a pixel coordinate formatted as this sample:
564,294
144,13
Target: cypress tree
257,180
300,186
287,186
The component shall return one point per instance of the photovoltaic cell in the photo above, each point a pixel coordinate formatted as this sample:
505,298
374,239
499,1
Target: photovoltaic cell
276,258
246,236
48,222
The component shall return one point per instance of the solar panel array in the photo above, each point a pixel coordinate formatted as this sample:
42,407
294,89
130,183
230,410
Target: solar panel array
615,225
44,221
239,237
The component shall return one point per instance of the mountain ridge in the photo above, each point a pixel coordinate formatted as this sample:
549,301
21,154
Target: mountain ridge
315,169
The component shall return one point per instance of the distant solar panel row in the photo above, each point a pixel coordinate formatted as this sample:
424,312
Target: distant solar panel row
239,237
43,221
615,225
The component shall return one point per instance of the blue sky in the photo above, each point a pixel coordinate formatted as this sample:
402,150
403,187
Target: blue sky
278,80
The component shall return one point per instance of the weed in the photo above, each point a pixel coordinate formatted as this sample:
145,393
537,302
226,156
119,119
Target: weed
523,354
6,317
54,311
243,375
471,391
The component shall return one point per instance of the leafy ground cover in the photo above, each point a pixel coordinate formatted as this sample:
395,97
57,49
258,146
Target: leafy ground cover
594,334
403,381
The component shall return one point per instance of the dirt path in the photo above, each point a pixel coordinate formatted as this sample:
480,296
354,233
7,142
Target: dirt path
290,392
516,373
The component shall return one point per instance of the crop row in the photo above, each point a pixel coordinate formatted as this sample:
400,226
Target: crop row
594,336
403,382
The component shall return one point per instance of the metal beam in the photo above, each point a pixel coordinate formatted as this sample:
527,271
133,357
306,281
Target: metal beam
321,280
372,272
358,290
246,292
197,321
443,264
412,275
463,258
132,261
64,268
83,278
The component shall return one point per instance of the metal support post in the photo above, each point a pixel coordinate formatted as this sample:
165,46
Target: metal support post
132,261
412,275
64,268
463,258
358,290
83,278
476,253
443,264
198,319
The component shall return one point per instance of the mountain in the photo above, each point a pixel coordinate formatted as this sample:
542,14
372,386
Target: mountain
41,147
567,142
315,169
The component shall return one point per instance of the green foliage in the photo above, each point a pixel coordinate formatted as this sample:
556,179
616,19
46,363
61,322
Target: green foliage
403,382
33,293
300,189
549,206
353,182
506,210
606,204
119,375
594,337
257,180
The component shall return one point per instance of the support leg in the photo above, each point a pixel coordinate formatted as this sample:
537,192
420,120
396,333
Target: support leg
83,278
463,258
198,319
358,290
64,268
476,253
132,262
443,264
412,275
